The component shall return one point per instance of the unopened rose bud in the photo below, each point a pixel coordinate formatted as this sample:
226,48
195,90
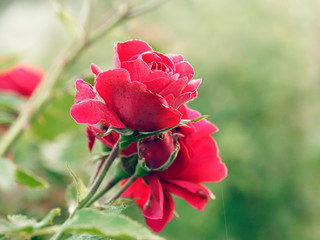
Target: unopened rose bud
156,150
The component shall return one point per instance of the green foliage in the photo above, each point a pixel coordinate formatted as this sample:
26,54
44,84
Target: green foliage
11,174
87,237
29,179
20,224
80,187
108,225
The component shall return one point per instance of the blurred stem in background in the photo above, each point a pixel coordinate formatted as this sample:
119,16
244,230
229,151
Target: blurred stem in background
87,35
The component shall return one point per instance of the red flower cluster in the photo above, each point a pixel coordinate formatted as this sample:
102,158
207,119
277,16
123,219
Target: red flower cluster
147,91
21,79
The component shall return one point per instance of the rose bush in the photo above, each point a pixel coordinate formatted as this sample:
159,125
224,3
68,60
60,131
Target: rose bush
143,92
21,79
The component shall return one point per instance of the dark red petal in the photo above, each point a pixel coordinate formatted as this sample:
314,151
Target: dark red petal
168,207
138,190
126,50
175,58
206,165
92,112
185,70
137,108
195,194
95,69
91,137
84,91
154,207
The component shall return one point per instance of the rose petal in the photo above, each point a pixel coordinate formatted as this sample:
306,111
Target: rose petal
185,69
92,112
22,79
154,207
168,207
137,108
91,137
180,163
139,191
175,57
199,129
156,85
141,72
206,161
192,86
127,50
175,88
195,194
95,69
84,91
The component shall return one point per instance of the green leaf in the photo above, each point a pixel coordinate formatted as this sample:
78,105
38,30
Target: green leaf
28,178
10,174
80,187
17,223
66,18
7,173
9,61
10,102
194,120
117,207
87,237
49,218
71,197
23,224
107,225
6,118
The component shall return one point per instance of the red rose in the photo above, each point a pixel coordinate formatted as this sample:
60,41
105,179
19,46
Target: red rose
143,93
197,162
21,79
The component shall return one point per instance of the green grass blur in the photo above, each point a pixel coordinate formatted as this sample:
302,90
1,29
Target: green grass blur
260,65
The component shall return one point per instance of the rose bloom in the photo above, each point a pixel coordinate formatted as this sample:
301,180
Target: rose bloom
21,79
143,92
197,162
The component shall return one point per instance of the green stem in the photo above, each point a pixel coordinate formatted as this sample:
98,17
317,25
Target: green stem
93,189
110,184
44,231
105,167
117,194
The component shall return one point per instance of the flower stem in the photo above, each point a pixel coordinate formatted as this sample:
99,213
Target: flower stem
105,167
122,189
109,185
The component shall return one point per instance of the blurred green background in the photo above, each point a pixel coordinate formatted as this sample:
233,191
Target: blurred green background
260,64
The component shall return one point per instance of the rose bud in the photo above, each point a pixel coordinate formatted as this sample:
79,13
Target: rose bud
158,151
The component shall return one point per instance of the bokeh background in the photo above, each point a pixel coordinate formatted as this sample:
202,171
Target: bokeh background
260,64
